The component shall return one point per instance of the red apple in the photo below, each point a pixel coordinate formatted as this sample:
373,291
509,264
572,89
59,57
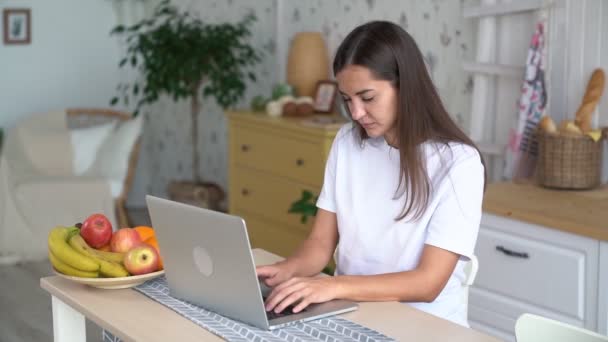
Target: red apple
124,239
96,230
142,259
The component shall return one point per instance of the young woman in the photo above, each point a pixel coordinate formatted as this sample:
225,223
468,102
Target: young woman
401,199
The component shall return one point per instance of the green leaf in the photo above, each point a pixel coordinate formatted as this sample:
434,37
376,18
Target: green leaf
306,206
117,30
114,101
122,62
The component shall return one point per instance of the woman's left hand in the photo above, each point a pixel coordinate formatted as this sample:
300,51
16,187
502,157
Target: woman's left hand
303,291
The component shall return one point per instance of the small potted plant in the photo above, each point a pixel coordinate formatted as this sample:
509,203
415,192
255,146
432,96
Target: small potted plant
178,55
305,206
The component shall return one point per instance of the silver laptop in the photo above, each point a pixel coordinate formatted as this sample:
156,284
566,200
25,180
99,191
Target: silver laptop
208,262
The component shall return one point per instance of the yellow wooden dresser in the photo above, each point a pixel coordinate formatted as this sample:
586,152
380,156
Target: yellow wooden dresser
271,161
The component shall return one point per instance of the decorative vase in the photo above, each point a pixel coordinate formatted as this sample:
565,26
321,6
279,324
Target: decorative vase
307,62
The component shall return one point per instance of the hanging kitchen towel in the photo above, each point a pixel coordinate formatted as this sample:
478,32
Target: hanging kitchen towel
522,150
325,329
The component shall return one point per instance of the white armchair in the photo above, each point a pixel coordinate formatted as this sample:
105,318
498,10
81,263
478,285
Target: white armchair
57,168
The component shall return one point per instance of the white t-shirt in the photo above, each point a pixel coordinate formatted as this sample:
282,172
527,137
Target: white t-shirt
360,185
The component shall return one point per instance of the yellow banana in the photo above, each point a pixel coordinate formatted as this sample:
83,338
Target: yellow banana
69,270
78,242
58,245
111,269
106,268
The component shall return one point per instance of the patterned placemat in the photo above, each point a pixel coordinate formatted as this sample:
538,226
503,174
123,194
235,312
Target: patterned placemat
325,329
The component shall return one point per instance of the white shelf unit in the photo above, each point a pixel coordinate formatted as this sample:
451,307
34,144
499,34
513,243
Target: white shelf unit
505,29
502,8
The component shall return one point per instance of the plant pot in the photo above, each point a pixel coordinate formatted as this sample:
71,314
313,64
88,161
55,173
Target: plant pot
203,195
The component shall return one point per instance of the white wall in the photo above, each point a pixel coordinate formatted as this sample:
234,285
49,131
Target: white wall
71,60
580,30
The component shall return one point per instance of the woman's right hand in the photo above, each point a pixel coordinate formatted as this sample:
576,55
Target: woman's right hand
275,274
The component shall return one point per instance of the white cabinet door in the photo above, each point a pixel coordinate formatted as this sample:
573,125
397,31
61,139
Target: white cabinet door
602,326
529,268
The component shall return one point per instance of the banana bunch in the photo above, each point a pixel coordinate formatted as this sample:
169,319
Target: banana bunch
71,255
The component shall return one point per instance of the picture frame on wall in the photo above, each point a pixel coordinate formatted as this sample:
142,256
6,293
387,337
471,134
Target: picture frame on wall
325,96
17,26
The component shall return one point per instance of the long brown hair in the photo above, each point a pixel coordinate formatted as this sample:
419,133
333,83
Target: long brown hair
391,54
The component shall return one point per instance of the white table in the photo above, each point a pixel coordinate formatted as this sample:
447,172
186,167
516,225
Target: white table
132,316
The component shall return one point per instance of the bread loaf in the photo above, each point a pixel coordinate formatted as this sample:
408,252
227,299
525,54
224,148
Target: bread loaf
593,93
568,127
547,125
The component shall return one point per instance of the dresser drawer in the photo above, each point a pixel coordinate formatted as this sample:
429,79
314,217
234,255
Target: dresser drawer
271,236
268,196
299,160
535,272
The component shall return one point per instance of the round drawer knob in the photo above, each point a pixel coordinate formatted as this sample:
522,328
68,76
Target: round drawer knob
245,148
299,162
245,192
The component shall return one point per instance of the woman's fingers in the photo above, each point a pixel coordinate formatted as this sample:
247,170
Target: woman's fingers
265,271
277,296
274,274
302,304
285,284
271,275
292,298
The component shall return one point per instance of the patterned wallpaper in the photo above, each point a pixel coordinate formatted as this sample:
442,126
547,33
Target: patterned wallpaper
444,37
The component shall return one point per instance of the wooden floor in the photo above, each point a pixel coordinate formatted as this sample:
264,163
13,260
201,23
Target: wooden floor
25,309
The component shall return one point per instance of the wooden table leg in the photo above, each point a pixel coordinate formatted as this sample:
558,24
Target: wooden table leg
68,324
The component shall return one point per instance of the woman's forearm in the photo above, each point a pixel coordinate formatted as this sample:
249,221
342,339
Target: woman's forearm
315,252
311,257
422,284
410,286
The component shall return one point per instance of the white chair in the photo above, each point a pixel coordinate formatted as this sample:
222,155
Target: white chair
59,167
533,328
470,270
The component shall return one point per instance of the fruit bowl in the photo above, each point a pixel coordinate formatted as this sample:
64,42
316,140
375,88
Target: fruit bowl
113,283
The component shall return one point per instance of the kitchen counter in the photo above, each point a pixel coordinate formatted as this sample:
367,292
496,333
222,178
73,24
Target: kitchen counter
580,212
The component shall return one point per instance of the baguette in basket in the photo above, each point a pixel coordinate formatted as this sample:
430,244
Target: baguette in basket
595,88
570,154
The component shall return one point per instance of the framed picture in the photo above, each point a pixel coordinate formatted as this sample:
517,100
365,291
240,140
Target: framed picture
325,96
17,26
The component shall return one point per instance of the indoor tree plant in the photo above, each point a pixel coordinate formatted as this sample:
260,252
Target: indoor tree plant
179,55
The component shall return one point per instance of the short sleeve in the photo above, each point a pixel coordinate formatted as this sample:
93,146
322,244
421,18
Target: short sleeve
454,224
327,198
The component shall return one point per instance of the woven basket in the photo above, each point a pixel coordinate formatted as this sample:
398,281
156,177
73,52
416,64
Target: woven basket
569,161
